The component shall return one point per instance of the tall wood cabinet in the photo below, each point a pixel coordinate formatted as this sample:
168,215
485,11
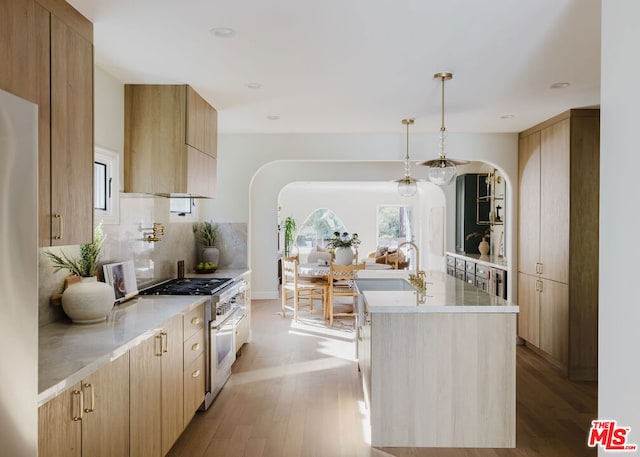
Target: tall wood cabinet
558,183
64,61
91,419
170,141
156,389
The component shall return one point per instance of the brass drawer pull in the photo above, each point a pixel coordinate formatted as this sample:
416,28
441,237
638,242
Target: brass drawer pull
61,225
195,346
195,321
165,342
158,347
78,393
91,408
195,374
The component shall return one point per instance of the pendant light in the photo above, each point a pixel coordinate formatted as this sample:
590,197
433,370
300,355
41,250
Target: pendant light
407,186
442,171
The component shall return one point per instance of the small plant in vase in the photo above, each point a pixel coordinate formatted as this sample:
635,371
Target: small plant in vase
343,244
206,235
87,301
483,246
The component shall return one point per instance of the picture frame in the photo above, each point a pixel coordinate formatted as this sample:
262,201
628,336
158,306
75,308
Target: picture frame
122,277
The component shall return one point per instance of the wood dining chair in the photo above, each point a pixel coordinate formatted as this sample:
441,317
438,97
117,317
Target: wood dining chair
341,284
300,290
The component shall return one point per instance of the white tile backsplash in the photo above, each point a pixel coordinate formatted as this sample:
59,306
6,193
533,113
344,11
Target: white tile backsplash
154,261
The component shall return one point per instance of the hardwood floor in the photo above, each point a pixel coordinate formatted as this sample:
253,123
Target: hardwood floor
296,391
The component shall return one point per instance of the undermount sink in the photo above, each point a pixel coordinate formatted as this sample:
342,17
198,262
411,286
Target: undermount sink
383,284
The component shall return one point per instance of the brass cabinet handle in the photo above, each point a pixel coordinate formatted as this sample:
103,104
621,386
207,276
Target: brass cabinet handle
78,393
360,333
541,287
165,341
158,347
195,321
61,224
93,397
195,374
237,332
195,347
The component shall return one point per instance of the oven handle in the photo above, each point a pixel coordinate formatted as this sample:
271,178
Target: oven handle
216,324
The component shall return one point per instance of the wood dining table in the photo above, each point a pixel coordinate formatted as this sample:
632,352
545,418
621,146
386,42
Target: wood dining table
318,270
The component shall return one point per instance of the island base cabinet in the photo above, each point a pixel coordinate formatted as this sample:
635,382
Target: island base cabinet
91,419
443,380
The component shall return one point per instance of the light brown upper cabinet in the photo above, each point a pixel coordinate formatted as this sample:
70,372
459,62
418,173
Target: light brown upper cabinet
64,62
170,141
558,239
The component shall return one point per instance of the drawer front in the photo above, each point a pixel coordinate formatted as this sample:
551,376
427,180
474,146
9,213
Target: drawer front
451,261
193,347
242,332
481,271
460,264
470,279
481,283
471,267
193,387
193,321
460,274
451,270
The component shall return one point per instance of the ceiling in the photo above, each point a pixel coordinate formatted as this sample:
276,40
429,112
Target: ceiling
359,65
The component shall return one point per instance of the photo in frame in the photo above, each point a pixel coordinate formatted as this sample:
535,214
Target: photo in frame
122,277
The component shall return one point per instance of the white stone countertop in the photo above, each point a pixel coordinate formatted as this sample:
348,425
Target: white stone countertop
445,294
70,352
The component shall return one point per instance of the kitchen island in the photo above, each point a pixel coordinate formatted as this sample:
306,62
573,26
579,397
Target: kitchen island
438,369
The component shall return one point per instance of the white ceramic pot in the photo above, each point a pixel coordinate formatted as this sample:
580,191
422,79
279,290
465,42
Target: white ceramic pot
88,301
210,254
344,256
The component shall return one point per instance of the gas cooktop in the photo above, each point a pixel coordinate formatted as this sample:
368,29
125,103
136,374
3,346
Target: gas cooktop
188,286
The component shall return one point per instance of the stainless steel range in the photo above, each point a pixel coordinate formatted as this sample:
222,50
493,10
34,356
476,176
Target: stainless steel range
220,315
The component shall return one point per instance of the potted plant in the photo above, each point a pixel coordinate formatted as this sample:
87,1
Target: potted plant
206,235
87,301
289,228
343,244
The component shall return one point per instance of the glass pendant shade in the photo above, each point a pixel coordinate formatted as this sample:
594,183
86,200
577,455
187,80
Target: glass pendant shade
407,187
442,173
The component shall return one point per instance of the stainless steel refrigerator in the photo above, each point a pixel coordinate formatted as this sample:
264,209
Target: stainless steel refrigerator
18,276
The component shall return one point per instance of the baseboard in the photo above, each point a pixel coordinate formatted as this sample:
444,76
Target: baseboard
264,295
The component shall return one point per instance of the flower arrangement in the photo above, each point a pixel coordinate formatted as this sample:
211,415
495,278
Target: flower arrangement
86,265
206,233
343,240
486,234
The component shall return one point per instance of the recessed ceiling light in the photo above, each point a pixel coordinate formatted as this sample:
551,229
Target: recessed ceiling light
273,117
253,85
222,32
560,85
507,116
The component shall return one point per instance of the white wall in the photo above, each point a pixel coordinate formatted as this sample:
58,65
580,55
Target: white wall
252,169
619,307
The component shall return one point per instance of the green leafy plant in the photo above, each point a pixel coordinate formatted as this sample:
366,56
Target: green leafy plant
289,228
206,233
86,265
343,240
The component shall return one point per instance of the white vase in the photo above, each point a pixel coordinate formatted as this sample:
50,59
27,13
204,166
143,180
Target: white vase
210,254
483,247
344,256
88,301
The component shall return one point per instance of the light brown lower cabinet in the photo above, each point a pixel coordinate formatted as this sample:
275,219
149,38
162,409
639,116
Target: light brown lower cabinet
91,419
156,390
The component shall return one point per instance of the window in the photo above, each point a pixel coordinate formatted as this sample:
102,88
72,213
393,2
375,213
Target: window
106,186
394,225
181,206
316,229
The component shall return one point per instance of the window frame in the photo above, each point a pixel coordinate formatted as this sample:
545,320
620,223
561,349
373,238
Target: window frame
111,160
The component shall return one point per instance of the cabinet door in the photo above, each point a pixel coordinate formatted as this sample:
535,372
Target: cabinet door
17,47
59,434
193,387
71,135
145,392
529,203
529,303
196,119
172,383
105,429
201,173
554,201
211,131
554,320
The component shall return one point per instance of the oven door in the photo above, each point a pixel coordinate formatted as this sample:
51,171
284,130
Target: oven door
222,353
